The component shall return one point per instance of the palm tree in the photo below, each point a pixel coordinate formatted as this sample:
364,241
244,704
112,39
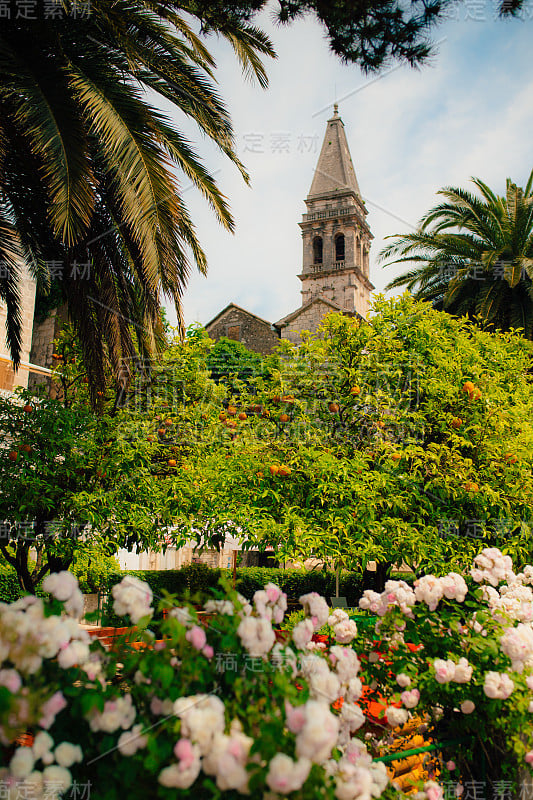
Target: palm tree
91,172
474,256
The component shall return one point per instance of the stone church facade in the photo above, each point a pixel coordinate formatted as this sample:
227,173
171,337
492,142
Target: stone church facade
335,264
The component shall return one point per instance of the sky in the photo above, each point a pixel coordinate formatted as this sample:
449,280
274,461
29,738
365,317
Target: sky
469,112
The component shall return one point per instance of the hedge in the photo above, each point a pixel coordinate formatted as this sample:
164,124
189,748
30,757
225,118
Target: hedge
197,579
10,589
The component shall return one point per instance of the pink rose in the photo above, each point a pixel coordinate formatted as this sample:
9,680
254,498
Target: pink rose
273,593
51,708
196,636
529,757
208,651
183,750
451,765
410,698
10,679
295,717
467,706
434,793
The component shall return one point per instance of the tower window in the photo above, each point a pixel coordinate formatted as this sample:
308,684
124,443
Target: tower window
317,250
339,247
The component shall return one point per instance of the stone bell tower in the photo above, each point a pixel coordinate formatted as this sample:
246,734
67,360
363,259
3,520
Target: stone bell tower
336,240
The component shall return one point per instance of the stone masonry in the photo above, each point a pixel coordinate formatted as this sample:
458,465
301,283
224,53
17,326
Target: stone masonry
9,379
336,240
236,323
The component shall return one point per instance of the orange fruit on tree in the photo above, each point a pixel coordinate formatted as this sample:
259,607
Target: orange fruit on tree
510,458
242,416
150,438
232,410
468,387
259,474
355,390
476,395
231,423
287,398
222,416
283,417
168,422
284,471
265,414
28,408
274,469
276,398
161,431
395,456
471,486
171,462
456,422
26,448
13,455
333,408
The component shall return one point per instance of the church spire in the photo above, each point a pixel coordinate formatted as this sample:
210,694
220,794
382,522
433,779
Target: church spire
334,173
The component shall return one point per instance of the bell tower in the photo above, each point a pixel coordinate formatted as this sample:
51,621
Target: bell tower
336,240
336,237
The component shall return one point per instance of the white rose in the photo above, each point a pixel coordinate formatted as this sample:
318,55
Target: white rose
67,754
58,779
21,763
396,716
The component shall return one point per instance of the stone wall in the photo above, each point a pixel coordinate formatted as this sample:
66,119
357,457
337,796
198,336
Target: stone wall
237,324
347,288
309,320
9,379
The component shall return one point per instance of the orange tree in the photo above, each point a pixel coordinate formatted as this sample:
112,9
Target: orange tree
404,440
70,480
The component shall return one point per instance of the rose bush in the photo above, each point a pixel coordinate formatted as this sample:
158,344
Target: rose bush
458,652
208,709
210,703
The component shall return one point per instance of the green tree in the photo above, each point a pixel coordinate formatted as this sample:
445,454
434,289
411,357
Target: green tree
404,440
89,166
229,358
366,33
474,256
71,482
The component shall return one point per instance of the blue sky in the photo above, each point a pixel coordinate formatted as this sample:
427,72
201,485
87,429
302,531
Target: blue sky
410,132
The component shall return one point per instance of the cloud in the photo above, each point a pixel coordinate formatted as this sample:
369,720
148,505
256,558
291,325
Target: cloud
410,133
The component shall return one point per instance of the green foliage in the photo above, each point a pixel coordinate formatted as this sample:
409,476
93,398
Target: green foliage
95,170
9,586
93,568
474,256
408,468
69,478
199,580
230,359
365,33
